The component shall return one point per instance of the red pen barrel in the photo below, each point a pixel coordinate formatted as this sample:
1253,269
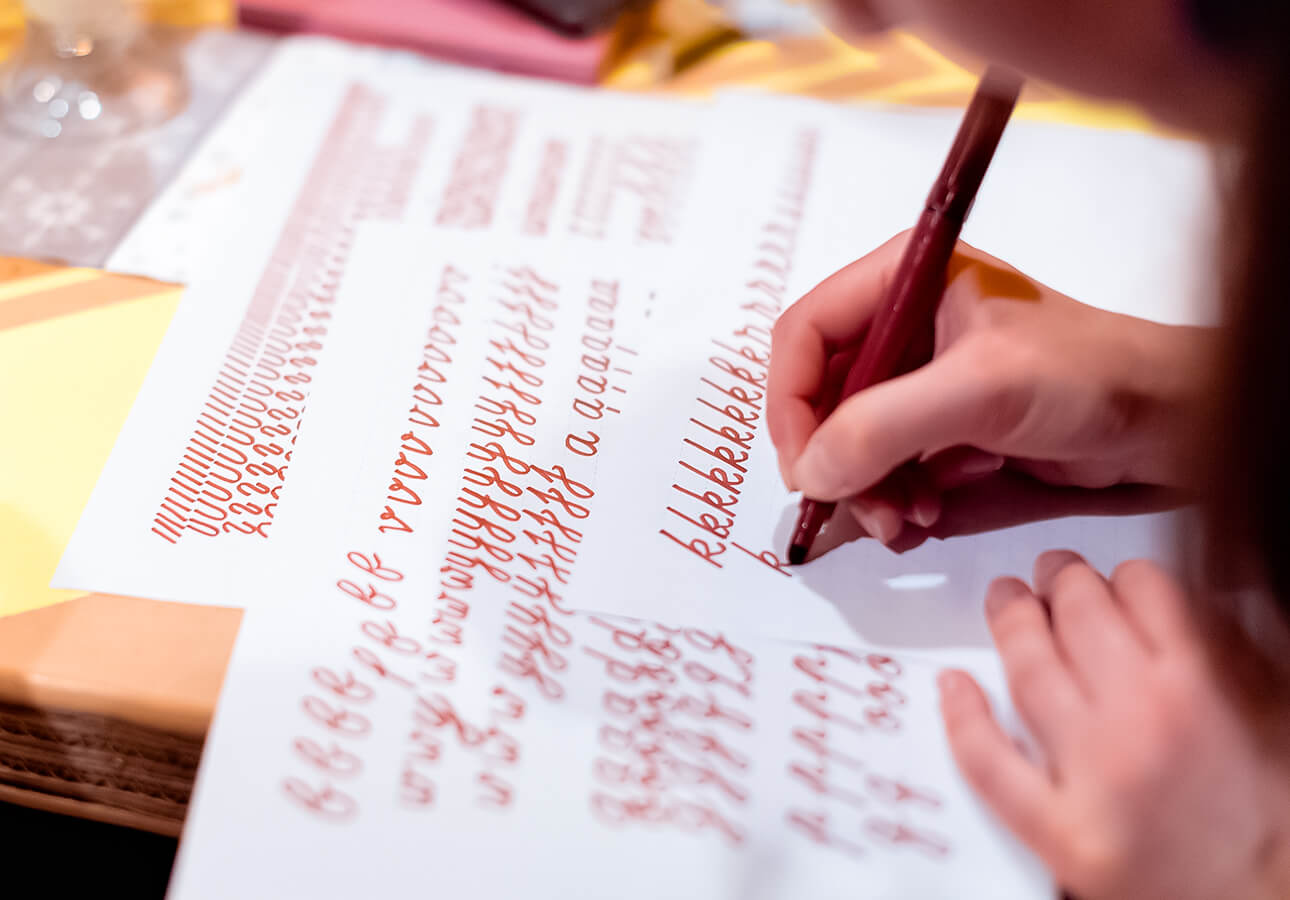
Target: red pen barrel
917,289
911,307
905,320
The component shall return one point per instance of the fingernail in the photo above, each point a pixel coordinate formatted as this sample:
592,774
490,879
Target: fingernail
863,514
882,522
997,597
814,473
984,464
889,524
925,511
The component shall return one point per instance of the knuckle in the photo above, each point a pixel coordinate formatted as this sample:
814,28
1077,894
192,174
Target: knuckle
1004,371
967,305
1138,764
962,295
1177,685
1016,634
1152,587
1029,677
1163,737
1092,854
1070,610
1011,624
1031,687
992,313
1012,609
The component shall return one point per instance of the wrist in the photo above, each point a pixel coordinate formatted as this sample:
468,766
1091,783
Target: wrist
1168,375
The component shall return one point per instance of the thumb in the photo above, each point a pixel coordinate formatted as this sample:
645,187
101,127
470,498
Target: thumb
945,403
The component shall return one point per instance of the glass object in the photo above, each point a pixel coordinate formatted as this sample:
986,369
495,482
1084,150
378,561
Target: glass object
88,68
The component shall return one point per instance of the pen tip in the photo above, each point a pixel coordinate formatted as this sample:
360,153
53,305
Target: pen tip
796,554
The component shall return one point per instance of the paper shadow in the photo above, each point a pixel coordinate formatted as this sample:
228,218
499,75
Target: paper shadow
1005,500
923,597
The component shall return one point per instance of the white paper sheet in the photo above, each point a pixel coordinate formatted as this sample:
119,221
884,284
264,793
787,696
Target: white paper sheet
413,705
697,512
699,190
194,492
674,762
427,143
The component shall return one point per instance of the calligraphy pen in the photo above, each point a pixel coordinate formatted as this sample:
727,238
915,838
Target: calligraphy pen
910,305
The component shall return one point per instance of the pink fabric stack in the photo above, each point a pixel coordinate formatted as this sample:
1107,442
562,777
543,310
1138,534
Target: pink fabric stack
477,32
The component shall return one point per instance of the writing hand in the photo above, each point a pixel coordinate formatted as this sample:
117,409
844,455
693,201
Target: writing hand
1019,375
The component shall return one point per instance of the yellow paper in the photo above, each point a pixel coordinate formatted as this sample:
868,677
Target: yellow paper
66,384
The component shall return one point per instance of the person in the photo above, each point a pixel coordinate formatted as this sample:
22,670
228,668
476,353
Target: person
1159,707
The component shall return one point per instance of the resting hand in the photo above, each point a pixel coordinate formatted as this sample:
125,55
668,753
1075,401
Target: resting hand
1155,786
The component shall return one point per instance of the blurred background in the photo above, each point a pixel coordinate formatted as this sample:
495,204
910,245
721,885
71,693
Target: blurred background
102,100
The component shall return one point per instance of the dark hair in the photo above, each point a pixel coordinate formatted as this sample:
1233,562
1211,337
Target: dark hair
1228,25
1248,482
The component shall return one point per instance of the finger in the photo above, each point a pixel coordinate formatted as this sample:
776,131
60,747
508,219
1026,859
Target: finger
880,518
1044,692
923,496
958,466
913,492
909,494
945,403
1091,633
835,375
906,495
832,315
1021,795
1154,604
1048,566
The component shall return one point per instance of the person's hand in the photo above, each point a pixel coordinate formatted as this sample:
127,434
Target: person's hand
1020,375
1155,786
